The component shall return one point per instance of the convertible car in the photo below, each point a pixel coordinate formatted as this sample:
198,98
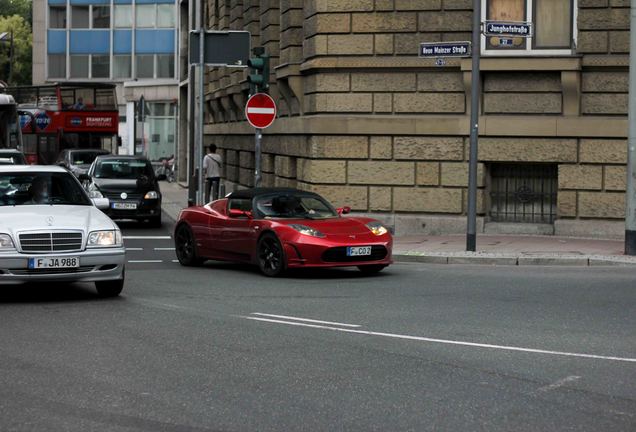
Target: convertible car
279,228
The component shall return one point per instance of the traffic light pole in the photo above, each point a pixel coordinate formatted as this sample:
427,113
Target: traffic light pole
199,140
630,195
258,136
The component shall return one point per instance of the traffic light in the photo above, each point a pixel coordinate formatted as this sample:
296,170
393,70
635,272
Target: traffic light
259,71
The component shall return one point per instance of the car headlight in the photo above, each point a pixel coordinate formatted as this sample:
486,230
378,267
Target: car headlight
304,229
377,228
104,238
152,195
6,243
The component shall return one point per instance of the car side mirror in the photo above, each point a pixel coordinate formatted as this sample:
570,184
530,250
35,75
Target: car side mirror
84,178
101,203
238,213
344,210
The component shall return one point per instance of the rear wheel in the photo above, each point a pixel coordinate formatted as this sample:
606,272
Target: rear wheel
111,288
185,247
371,269
271,258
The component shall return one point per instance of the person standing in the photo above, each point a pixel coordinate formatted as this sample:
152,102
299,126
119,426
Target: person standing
212,163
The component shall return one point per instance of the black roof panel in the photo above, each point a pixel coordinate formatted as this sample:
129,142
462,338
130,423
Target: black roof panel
254,192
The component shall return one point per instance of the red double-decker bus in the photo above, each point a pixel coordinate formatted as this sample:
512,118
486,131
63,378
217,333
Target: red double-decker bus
56,117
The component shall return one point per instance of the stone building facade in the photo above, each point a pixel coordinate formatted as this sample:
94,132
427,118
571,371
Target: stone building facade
367,123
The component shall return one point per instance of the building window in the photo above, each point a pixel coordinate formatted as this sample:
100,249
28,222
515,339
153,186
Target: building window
101,16
165,66
79,17
79,66
146,15
145,66
553,26
165,15
100,66
57,66
122,66
57,17
123,16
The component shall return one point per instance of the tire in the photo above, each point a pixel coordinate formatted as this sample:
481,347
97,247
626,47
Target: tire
111,288
185,248
270,255
371,269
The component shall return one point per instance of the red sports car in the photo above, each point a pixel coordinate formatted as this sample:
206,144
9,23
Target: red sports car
279,228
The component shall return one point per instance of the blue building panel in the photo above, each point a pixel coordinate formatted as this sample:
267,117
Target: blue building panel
122,41
57,2
122,1
86,2
56,42
154,41
153,1
90,42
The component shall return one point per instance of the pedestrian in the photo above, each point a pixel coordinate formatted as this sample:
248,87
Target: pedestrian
212,163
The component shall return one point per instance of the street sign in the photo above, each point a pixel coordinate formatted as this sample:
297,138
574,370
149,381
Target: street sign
508,29
445,49
260,110
222,48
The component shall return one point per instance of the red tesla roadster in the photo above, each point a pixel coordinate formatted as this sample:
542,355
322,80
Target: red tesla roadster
280,228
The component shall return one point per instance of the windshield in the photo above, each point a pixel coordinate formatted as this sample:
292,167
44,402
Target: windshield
123,168
17,189
84,158
294,206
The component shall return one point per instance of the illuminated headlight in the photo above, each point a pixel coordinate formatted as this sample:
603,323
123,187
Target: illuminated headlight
377,228
303,229
6,243
104,238
152,195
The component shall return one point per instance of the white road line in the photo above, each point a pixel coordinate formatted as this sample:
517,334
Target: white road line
175,260
134,249
448,342
304,319
145,261
559,383
147,237
164,249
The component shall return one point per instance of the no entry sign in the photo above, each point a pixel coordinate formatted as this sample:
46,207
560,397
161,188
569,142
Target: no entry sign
260,110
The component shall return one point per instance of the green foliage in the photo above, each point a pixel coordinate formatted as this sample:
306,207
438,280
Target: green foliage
17,7
22,47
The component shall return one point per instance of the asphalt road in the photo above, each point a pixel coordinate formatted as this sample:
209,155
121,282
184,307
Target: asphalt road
417,347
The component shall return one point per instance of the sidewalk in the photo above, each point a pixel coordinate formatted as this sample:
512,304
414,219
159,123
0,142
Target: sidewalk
491,249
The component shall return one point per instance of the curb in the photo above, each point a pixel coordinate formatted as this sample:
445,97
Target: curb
516,260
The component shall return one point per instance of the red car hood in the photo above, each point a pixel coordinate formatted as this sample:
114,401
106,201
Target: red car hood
333,226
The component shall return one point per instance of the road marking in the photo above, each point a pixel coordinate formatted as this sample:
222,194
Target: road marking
448,342
164,249
147,237
175,261
559,383
304,319
134,249
145,261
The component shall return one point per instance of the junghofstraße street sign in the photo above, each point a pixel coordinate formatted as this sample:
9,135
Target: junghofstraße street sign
508,29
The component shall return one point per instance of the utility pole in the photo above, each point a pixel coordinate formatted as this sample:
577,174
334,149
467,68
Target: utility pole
630,194
471,232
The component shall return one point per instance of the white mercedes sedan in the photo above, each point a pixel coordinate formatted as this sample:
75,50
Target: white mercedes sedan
50,230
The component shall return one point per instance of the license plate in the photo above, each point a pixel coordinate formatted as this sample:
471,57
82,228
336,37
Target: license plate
358,250
53,262
124,206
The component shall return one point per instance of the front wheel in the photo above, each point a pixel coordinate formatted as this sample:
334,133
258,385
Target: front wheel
371,269
271,258
185,247
111,288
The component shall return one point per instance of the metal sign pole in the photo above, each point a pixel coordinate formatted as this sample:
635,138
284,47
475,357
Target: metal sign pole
258,136
200,152
630,194
471,233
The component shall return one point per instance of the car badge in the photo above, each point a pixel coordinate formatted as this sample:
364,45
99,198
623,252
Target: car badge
123,195
49,220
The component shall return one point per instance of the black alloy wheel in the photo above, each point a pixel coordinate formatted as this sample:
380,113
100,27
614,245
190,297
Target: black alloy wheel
371,269
185,247
271,259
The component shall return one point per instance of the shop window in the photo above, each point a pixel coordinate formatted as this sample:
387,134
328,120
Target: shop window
57,17
553,26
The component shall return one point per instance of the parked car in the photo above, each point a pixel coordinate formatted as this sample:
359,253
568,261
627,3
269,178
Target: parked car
130,184
16,156
78,161
279,228
50,230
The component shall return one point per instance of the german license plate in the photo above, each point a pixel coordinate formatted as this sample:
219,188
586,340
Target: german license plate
124,206
358,250
54,262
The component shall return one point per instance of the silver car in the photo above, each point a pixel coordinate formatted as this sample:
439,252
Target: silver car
50,230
